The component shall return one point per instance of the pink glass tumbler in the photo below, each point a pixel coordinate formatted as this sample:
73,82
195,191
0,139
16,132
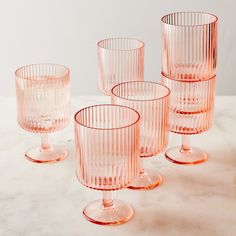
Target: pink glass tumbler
43,106
107,150
119,60
189,53
151,100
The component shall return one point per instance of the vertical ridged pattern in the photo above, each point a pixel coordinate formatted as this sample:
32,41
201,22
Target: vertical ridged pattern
43,97
151,100
191,105
189,45
107,146
119,60
189,54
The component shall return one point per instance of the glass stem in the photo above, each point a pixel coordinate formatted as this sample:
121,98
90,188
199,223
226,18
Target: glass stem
107,201
45,146
185,143
141,168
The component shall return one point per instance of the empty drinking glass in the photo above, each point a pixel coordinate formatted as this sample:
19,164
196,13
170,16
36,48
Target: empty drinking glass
119,60
151,100
107,149
43,106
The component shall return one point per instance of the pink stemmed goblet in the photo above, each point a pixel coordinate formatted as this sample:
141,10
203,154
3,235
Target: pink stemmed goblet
43,106
119,60
189,53
107,150
151,100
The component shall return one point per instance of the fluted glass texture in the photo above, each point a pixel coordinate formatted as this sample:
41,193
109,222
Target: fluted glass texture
107,146
191,105
151,100
119,60
43,97
189,45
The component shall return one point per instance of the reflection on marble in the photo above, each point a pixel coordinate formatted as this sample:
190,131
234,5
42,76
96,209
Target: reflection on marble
47,199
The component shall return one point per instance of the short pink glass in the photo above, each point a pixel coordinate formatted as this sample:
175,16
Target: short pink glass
151,100
43,106
107,155
119,60
189,54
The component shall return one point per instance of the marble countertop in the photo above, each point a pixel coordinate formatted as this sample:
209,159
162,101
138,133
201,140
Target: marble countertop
47,200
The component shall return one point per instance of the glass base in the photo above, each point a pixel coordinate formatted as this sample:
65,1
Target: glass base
118,213
189,157
50,155
147,180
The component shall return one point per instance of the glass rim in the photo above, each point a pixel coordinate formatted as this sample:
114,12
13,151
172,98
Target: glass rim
196,25
67,70
133,49
108,105
141,100
188,81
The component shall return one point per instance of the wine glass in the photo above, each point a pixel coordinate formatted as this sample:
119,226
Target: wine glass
189,50
107,150
43,106
151,100
119,60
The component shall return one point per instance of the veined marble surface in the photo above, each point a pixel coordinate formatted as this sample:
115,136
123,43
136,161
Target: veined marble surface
38,199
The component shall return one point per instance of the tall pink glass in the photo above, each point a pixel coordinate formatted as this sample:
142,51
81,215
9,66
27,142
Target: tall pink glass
151,100
119,60
43,106
189,54
107,149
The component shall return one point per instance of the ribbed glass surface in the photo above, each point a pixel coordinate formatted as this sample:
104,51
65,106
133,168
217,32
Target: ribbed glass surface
119,60
43,97
151,100
191,105
107,146
189,45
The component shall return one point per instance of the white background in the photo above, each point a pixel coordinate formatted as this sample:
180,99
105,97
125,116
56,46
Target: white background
66,32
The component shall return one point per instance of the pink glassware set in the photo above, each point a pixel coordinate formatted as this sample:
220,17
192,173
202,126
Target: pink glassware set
189,50
112,140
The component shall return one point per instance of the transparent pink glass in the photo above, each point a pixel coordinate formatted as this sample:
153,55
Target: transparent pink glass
107,149
151,100
189,54
43,106
119,60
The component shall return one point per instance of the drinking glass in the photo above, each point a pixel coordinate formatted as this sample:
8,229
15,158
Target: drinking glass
119,60
107,150
43,106
151,100
189,53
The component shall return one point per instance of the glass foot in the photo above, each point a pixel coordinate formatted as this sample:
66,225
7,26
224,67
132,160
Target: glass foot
118,213
149,179
190,157
50,155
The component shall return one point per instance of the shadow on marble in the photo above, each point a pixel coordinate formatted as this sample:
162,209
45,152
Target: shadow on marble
168,221
224,156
